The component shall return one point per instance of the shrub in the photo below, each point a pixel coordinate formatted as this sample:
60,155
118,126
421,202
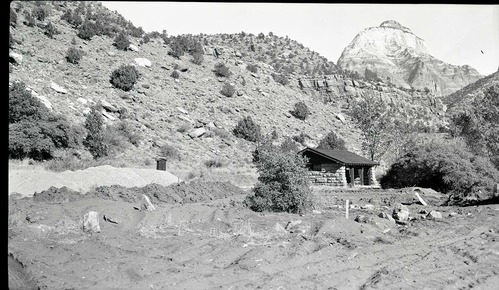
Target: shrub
175,74
146,38
228,90
30,20
50,30
94,141
124,77
34,131
332,141
23,106
197,58
247,129
280,78
121,41
87,30
288,145
301,111
252,68
222,70
216,163
73,55
169,152
282,185
301,138
442,164
40,13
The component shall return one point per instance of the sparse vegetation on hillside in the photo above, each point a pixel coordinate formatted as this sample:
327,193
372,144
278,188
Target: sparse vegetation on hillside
121,41
247,129
124,77
301,110
283,184
73,55
221,70
34,131
94,141
228,90
50,30
332,141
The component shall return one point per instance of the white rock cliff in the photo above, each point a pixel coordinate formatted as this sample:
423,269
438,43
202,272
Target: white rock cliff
394,54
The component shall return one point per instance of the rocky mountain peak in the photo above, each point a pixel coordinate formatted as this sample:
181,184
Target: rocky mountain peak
391,52
394,24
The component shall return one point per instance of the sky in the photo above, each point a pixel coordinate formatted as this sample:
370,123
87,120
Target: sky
455,34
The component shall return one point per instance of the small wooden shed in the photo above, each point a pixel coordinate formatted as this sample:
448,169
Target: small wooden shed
161,163
339,167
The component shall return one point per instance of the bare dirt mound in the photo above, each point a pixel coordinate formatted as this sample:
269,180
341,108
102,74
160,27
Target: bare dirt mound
28,181
197,191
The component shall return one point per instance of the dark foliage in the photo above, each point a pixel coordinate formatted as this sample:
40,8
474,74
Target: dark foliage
124,77
221,70
121,41
73,55
283,184
247,129
332,141
444,165
301,110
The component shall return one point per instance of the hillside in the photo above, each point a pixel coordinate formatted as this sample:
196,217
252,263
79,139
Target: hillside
393,52
165,110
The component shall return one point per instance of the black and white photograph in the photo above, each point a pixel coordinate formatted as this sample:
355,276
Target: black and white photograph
247,145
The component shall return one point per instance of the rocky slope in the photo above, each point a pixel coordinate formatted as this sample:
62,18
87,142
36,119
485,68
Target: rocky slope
190,113
393,53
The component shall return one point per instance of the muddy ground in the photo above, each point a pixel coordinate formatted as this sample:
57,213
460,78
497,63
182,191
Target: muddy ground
201,236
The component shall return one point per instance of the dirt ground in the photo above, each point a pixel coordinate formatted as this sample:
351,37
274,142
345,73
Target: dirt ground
201,236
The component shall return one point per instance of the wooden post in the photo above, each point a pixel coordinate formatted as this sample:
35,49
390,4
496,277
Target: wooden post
347,207
352,176
361,173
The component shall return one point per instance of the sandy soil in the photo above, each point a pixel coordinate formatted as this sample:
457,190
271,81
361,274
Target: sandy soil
215,242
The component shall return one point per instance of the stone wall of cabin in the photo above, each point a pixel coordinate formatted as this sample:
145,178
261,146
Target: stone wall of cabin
330,174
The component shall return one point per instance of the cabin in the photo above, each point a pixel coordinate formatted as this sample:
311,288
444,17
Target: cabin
339,168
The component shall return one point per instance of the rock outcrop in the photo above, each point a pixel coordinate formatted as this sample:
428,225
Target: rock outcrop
393,53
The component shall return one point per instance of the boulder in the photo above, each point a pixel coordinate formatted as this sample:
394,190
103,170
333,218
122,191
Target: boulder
361,219
367,206
184,118
237,53
340,117
384,215
434,215
143,62
82,101
196,133
180,66
108,116
110,219
91,222
15,58
401,213
182,110
108,107
146,204
58,88
133,47
292,224
42,99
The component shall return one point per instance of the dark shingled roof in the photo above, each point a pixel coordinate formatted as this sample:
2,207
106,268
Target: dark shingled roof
343,157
